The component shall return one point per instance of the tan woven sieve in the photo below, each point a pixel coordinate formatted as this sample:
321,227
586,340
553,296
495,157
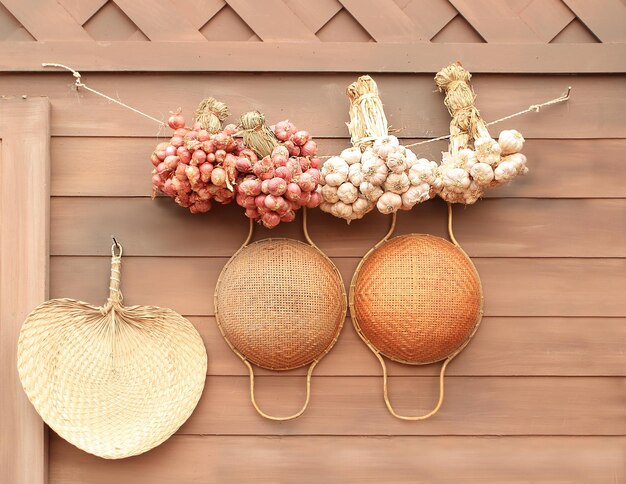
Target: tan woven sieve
280,304
114,381
416,299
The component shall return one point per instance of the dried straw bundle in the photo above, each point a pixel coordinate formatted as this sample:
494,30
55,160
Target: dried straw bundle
367,116
210,114
114,381
256,134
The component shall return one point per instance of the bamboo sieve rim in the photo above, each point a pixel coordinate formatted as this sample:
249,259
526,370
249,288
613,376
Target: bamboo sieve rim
351,297
344,304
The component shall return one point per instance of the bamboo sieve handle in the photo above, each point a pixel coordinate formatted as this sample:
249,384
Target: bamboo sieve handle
386,391
271,417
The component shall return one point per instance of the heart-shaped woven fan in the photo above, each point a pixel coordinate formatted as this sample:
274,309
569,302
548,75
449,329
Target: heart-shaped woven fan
114,381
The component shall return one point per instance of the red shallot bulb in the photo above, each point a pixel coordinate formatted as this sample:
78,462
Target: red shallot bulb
198,157
270,219
300,137
277,186
293,192
289,216
309,148
252,213
218,177
284,173
315,200
306,182
243,164
176,121
205,171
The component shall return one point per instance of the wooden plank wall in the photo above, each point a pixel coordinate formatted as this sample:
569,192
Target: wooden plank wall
538,396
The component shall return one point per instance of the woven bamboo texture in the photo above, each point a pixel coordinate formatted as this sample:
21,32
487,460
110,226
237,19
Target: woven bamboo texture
114,381
417,298
280,303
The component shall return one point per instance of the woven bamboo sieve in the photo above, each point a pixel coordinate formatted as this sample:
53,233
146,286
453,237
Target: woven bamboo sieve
416,299
280,304
114,381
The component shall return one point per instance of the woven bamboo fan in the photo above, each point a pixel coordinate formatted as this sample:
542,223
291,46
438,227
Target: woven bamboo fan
280,304
114,381
416,299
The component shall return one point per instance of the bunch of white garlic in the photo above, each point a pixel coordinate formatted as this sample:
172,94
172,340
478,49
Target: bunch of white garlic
394,178
386,175
340,181
464,176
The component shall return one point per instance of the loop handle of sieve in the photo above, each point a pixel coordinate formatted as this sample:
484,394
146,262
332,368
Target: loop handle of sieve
272,417
386,389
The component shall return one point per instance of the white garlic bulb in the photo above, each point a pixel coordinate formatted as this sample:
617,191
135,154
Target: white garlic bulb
362,206
335,171
329,194
325,206
385,145
370,191
355,175
466,158
396,162
389,202
351,155
505,172
374,170
411,158
341,210
510,141
347,192
487,150
482,173
456,179
397,183
519,162
415,195
422,171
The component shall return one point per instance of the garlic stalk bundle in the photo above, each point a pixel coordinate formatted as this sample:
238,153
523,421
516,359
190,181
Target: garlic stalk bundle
377,171
474,160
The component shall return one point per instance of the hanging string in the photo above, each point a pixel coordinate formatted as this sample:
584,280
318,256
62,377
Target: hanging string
80,84
532,108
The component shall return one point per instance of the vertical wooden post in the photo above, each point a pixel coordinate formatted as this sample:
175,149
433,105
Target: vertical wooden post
24,229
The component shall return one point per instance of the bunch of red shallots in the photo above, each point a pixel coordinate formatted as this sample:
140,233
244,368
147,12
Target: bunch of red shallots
198,164
283,178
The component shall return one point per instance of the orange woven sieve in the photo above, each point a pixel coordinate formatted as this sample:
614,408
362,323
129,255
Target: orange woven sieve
417,298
